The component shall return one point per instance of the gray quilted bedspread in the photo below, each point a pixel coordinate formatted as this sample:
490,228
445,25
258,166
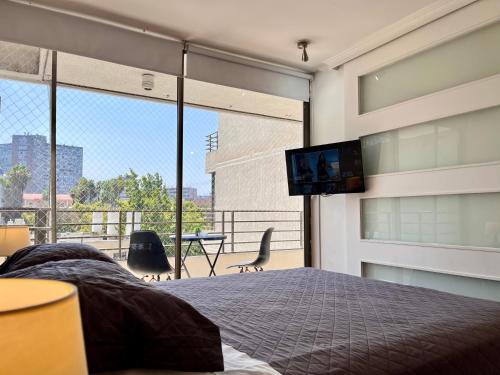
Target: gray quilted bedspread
307,321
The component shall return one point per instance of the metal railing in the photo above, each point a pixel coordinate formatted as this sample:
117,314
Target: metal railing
36,218
111,232
212,141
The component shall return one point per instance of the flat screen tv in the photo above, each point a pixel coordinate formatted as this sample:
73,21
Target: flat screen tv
335,168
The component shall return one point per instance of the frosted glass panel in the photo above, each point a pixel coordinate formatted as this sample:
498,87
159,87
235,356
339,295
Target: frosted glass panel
462,219
466,286
469,138
464,59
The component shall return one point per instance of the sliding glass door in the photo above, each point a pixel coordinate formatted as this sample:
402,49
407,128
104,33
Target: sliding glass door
115,153
235,181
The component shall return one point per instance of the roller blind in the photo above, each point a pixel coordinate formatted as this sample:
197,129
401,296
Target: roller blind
90,38
227,70
20,23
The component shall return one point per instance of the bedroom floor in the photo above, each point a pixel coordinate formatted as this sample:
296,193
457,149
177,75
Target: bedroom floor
198,267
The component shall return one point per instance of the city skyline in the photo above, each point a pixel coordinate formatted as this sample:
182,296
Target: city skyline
117,133
6,163
33,152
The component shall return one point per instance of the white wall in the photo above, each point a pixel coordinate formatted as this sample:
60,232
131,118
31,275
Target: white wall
336,236
328,213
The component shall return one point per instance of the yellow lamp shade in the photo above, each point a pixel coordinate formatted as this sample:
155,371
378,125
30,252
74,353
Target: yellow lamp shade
12,238
40,328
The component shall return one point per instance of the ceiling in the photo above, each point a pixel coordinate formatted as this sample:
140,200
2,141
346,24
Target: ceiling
262,29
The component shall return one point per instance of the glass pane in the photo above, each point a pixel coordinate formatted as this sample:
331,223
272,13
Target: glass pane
464,59
127,145
24,142
466,286
235,176
464,139
462,219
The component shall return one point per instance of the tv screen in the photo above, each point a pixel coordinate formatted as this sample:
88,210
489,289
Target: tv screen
335,168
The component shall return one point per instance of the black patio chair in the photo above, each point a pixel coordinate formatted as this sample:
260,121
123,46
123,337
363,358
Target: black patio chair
146,255
262,258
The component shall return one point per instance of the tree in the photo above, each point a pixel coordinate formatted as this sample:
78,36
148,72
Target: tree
85,192
146,194
149,194
110,191
15,182
45,195
82,215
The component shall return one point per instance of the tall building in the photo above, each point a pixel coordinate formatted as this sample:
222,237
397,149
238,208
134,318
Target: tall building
5,157
249,166
188,193
69,161
33,151
250,181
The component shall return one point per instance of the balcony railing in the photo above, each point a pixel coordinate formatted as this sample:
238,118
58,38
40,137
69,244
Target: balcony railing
212,141
109,230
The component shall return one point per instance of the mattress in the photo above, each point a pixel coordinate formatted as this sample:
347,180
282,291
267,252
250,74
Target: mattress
235,363
308,321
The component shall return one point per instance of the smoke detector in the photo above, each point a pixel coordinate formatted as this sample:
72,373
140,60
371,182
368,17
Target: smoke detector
148,81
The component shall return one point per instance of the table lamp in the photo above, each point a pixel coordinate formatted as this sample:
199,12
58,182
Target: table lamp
13,238
40,328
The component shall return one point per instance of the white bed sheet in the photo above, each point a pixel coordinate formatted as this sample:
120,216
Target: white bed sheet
235,363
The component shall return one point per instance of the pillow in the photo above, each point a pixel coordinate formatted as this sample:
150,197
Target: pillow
128,323
38,254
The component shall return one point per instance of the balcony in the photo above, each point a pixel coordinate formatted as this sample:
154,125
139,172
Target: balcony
212,142
109,231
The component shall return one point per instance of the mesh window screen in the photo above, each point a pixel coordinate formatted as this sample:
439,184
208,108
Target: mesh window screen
235,175
118,149
19,58
25,155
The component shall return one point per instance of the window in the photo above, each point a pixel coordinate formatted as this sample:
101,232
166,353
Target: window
240,136
459,219
464,59
464,139
116,157
467,286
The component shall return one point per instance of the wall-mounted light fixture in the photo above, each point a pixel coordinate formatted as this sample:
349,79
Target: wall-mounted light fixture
303,44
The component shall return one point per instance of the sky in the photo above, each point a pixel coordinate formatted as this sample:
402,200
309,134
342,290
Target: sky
116,133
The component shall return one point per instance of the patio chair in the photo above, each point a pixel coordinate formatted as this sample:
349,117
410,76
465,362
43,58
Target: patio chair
147,255
262,258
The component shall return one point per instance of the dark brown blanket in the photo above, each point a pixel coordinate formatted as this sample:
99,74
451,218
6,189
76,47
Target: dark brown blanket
306,321
126,323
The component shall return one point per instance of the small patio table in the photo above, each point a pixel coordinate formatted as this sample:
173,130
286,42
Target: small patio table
200,238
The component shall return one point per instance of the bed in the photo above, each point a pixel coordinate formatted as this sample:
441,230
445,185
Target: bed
298,321
308,321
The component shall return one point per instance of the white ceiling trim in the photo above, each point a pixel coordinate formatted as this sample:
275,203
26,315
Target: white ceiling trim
405,25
